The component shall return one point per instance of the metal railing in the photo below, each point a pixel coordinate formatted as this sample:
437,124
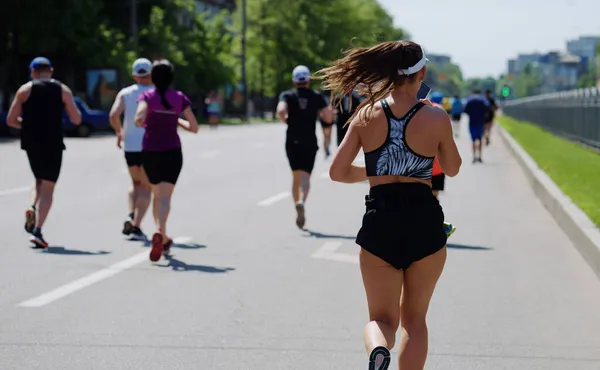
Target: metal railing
574,114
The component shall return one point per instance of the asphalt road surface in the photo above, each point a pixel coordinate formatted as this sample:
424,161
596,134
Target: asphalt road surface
246,289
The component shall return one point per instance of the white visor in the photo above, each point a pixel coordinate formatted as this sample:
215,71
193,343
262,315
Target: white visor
416,68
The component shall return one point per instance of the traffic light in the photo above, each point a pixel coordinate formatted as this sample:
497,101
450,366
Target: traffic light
506,91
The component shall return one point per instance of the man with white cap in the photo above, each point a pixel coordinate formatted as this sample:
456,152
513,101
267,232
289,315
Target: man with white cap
129,137
299,109
42,102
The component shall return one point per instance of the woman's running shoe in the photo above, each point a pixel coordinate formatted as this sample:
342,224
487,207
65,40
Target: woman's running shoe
157,247
37,239
29,220
379,359
167,247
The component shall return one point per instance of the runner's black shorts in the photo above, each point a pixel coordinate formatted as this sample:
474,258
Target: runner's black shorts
301,156
45,164
437,182
162,166
456,117
133,159
403,224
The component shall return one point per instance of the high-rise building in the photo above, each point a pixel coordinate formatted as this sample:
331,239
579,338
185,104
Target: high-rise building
584,47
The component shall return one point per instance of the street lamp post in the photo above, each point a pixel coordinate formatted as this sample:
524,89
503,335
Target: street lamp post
133,22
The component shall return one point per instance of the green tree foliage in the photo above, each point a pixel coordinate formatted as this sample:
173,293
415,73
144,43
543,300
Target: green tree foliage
446,78
80,34
282,34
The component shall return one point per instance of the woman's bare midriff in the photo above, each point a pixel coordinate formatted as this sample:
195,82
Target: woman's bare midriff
391,179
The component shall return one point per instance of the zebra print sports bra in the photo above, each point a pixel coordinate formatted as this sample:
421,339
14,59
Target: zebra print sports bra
394,156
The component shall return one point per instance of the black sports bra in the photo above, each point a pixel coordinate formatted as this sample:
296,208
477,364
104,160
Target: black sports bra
394,156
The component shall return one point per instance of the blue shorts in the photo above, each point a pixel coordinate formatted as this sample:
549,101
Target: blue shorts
476,131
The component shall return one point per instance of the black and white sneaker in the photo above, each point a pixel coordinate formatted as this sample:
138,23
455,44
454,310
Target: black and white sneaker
379,359
137,234
128,227
38,240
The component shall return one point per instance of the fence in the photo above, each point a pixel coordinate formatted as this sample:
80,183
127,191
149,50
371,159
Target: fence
573,114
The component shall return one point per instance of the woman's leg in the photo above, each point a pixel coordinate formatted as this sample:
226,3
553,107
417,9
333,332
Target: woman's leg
162,206
383,286
420,280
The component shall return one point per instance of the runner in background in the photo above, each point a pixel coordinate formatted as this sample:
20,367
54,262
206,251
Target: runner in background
129,137
42,102
326,127
213,109
345,110
438,177
489,122
299,109
457,110
477,109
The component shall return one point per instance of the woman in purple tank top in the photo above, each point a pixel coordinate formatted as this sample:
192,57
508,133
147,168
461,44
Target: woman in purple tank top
159,112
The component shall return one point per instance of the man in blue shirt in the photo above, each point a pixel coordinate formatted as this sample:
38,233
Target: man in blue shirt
477,109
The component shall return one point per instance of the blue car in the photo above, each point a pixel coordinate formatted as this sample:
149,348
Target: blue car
91,120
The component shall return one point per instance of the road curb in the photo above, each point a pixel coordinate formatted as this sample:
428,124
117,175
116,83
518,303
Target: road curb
574,222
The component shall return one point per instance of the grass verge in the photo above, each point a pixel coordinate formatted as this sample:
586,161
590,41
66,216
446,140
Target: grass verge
574,168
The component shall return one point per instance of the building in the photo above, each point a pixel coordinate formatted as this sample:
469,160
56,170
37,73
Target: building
584,47
525,59
512,67
559,71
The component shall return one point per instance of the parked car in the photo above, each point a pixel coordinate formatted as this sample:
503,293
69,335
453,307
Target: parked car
91,120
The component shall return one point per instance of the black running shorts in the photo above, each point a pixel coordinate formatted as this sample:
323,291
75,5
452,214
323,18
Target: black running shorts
437,182
162,166
403,224
301,156
133,159
45,164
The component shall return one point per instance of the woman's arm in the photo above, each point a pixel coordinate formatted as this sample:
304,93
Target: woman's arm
342,169
140,113
190,123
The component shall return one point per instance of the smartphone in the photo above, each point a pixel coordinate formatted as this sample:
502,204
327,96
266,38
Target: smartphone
424,91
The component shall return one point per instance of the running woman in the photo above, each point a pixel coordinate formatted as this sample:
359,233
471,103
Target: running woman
299,108
402,236
42,102
489,122
130,137
457,110
158,112
477,109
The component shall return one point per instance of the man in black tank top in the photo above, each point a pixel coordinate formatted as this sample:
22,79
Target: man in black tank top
299,108
41,103
347,108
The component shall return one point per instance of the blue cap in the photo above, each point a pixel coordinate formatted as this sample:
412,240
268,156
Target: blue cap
141,67
40,62
301,74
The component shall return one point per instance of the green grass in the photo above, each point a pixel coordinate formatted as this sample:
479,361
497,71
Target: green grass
574,168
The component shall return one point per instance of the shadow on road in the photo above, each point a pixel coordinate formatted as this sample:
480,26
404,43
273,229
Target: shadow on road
148,243
177,265
315,234
71,252
467,247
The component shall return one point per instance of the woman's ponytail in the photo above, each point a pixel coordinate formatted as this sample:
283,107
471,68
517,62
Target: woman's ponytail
162,78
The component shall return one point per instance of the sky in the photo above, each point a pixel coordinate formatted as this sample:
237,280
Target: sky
481,36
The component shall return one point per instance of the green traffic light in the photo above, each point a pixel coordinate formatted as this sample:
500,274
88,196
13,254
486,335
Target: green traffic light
505,91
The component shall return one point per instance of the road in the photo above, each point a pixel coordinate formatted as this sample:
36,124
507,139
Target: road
247,290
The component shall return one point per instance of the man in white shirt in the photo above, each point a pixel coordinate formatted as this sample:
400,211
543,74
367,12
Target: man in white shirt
129,137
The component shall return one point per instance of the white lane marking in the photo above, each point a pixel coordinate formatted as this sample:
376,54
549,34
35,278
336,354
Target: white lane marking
328,252
85,281
257,145
182,240
22,189
210,154
275,198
